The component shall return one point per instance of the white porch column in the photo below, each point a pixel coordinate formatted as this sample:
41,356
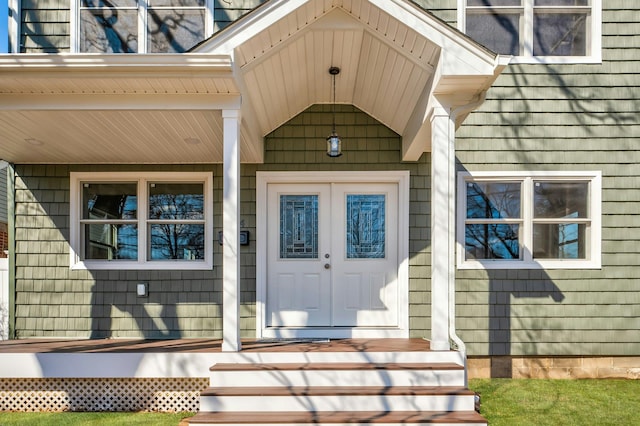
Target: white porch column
230,230
442,225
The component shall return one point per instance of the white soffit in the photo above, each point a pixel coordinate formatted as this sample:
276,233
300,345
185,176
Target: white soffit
116,108
394,58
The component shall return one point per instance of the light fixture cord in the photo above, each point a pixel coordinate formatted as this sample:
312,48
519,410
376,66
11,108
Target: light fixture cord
333,104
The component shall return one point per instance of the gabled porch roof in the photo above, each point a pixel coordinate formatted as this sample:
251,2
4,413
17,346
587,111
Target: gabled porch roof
398,63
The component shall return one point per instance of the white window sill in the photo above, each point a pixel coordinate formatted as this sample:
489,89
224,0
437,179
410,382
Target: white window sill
133,265
551,60
542,264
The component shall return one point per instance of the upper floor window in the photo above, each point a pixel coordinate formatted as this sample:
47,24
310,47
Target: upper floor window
141,220
141,26
529,220
550,31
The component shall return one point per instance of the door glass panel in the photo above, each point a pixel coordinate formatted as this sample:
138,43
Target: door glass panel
298,226
365,226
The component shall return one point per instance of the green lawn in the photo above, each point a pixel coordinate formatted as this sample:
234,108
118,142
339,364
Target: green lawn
504,402
89,419
559,402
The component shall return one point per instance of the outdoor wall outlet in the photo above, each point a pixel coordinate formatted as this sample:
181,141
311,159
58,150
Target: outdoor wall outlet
142,289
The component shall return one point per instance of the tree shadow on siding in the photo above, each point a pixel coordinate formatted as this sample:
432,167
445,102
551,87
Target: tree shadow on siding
515,301
148,316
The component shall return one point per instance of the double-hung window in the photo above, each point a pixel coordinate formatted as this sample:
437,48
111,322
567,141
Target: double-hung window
550,31
529,220
141,221
140,26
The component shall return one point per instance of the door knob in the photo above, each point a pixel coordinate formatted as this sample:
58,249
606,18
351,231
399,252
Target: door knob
327,266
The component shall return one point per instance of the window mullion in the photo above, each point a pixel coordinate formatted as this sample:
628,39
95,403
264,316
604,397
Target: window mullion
527,219
74,24
209,15
143,15
526,44
143,209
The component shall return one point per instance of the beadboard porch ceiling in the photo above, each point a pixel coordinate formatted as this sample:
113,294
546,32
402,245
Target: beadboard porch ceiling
397,63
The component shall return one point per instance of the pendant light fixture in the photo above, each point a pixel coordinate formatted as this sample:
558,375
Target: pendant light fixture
334,144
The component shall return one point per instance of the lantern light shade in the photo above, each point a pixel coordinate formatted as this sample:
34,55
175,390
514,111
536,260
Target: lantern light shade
334,145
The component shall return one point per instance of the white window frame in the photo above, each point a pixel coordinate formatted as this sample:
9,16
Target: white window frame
594,29
142,24
593,258
142,179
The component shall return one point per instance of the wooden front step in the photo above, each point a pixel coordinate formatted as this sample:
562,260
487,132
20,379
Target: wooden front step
337,374
331,399
337,393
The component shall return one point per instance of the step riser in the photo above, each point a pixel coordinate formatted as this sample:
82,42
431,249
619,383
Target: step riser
339,357
337,378
338,403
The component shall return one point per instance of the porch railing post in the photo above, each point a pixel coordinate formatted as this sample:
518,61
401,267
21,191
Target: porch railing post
230,231
442,224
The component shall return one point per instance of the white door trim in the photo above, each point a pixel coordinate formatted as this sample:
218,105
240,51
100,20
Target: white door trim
401,178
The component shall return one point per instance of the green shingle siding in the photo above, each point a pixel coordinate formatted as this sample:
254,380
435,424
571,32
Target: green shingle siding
563,117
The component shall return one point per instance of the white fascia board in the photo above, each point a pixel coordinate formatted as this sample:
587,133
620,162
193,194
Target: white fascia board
108,60
253,23
110,65
460,53
118,102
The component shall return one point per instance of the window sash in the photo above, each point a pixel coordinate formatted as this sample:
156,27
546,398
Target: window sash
528,12
202,260
587,229
142,9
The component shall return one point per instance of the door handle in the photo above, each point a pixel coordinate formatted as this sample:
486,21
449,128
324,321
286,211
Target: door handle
327,266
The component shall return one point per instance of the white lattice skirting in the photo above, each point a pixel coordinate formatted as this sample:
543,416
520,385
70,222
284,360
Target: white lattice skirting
88,394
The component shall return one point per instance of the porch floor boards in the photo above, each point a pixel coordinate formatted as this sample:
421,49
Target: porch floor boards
210,345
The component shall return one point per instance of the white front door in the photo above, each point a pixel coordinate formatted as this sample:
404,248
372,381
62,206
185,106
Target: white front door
332,255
